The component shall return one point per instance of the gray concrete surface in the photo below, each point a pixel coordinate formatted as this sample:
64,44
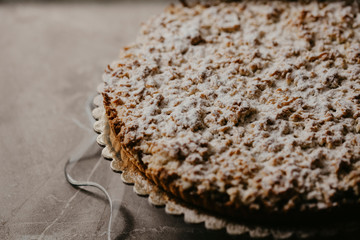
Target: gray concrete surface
52,56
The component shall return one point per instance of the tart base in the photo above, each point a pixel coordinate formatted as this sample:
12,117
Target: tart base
123,161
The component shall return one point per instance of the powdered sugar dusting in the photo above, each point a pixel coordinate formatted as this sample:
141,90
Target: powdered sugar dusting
259,101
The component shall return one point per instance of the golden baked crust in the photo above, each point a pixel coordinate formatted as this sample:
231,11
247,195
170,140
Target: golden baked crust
246,109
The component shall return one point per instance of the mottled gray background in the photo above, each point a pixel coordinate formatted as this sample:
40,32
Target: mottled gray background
52,55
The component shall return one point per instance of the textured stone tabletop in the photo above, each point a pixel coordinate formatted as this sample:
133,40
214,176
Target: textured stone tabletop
52,56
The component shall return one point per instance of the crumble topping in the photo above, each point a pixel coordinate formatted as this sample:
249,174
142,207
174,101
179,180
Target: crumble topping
257,100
